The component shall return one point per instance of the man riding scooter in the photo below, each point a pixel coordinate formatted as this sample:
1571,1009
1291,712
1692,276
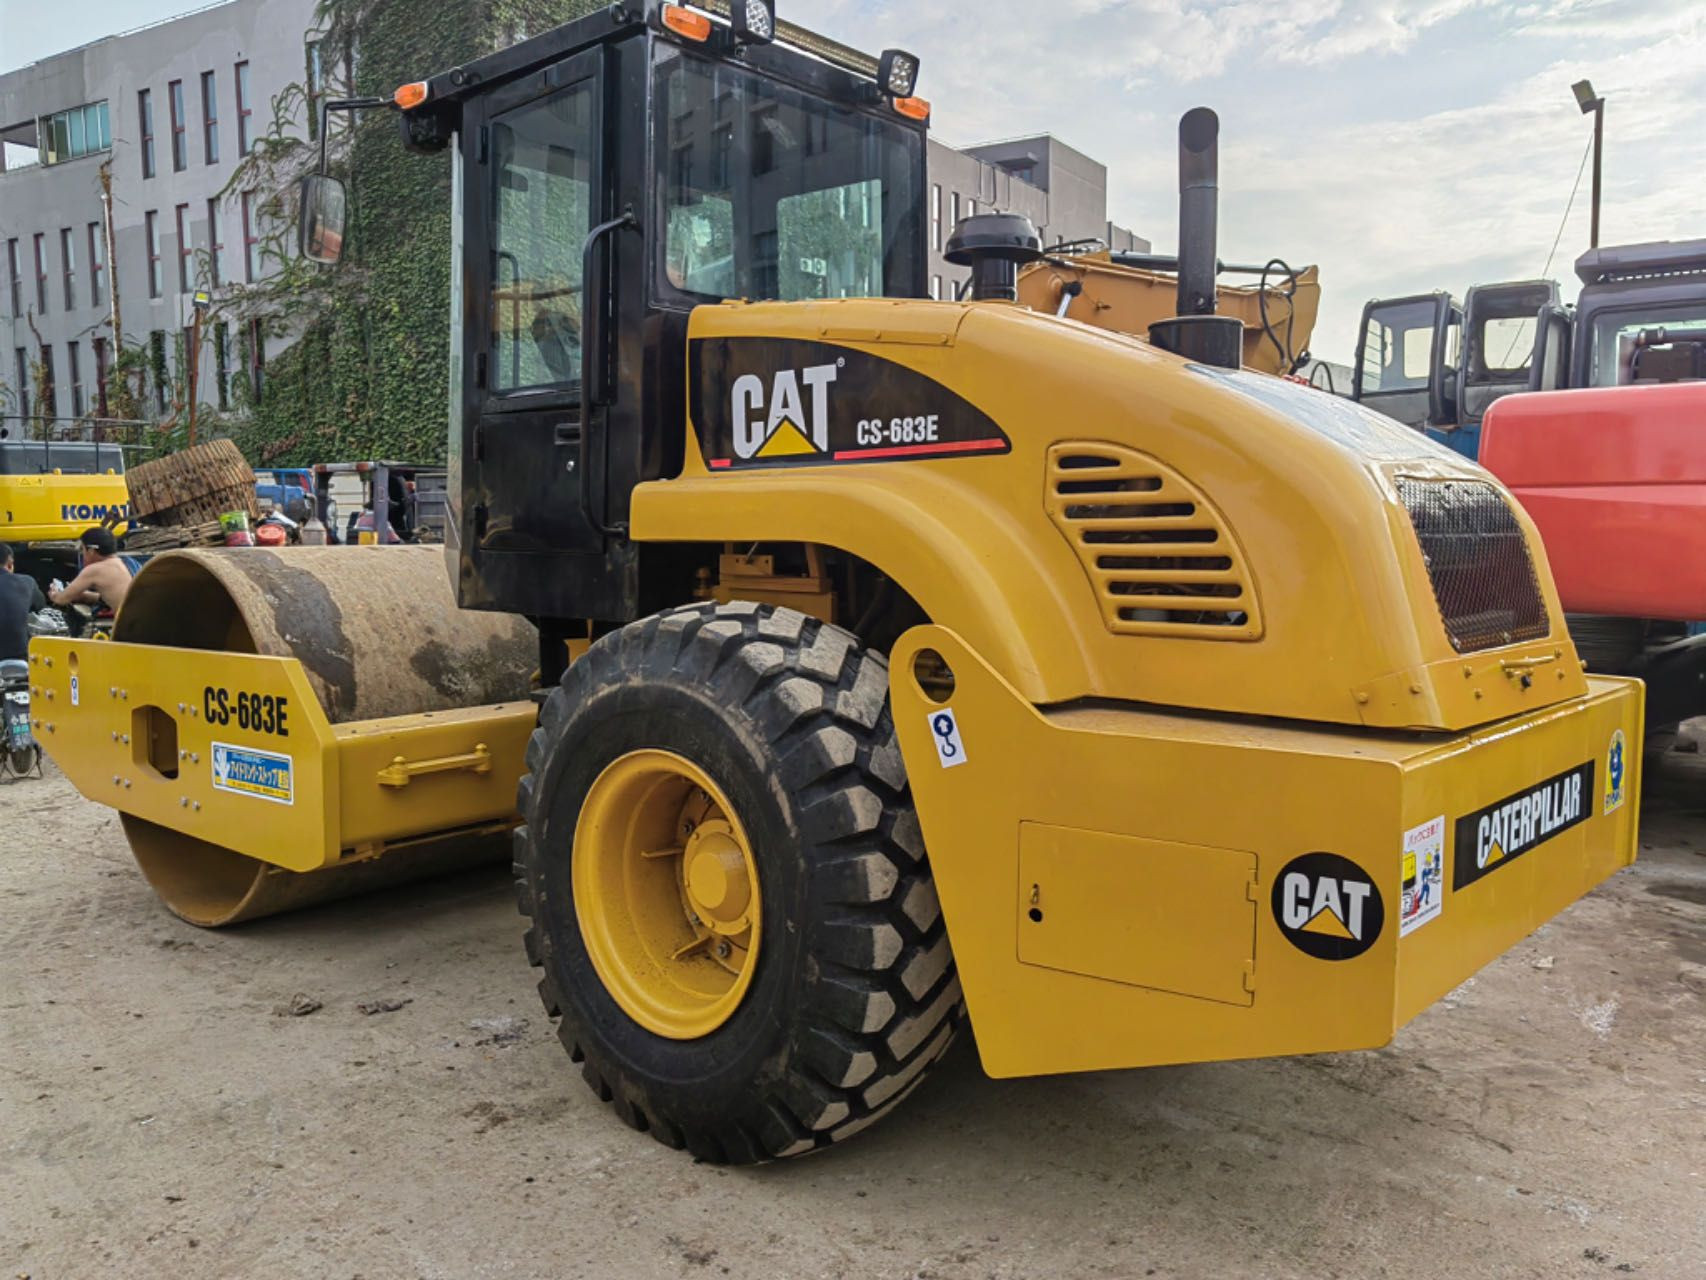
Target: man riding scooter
102,583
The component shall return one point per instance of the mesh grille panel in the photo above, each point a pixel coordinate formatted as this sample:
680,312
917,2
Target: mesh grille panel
1478,561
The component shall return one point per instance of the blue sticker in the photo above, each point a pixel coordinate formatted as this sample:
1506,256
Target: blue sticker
244,771
1616,768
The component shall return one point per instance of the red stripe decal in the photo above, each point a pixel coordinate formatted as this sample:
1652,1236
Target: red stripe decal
917,450
718,464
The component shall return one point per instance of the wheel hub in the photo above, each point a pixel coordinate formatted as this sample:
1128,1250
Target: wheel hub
719,890
666,893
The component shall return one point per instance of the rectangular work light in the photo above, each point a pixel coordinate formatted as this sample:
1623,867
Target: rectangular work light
897,73
753,21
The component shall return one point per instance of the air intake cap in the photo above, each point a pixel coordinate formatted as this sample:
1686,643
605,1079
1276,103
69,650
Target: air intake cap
994,246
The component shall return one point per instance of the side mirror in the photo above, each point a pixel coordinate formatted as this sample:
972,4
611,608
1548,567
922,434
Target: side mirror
320,218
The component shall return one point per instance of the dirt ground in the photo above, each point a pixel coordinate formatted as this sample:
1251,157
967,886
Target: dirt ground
162,1113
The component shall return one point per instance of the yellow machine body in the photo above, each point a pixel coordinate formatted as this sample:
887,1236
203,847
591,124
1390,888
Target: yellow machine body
54,507
1138,808
1130,299
1297,490
1108,872
276,780
1160,823
279,728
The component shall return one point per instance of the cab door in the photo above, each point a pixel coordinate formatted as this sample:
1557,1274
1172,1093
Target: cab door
534,176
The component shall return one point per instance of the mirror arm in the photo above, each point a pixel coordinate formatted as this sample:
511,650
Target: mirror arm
330,105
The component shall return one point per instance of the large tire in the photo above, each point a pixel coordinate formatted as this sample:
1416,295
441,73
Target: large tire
854,994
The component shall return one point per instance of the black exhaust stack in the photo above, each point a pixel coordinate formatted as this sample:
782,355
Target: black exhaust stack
1196,332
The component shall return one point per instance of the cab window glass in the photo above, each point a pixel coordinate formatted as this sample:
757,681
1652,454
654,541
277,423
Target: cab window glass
541,213
767,192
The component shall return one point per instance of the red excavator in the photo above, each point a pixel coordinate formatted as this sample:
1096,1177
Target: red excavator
1613,470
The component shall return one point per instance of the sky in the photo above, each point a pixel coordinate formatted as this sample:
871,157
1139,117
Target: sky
1401,145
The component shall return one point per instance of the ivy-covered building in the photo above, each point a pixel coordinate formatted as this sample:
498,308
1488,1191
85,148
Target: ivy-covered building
204,124
117,162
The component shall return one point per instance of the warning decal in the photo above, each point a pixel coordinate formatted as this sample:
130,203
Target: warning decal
768,402
244,771
1616,763
1424,875
1327,906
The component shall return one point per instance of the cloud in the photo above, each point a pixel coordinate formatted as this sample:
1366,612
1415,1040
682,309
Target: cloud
1404,145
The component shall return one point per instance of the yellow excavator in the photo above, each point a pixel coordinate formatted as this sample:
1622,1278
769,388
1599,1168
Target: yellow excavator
1128,292
51,492
902,665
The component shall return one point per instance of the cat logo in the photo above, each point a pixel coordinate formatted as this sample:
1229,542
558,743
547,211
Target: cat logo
1328,907
787,429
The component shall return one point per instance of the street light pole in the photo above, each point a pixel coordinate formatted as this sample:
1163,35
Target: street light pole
1588,101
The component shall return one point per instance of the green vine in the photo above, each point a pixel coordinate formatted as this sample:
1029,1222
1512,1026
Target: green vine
366,374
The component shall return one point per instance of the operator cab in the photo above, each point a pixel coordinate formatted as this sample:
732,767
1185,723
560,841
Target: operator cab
610,176
1642,314
1436,366
1400,345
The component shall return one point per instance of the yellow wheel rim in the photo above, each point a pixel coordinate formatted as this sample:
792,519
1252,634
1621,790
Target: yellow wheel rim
666,892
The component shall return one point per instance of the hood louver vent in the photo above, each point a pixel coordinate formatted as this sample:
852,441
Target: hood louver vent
1160,557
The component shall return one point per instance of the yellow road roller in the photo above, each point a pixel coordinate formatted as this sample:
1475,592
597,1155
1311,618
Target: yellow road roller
904,665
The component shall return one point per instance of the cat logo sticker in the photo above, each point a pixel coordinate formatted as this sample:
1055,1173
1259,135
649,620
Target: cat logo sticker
787,419
793,402
1328,907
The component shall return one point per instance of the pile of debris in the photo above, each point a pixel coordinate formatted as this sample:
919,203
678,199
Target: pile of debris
181,498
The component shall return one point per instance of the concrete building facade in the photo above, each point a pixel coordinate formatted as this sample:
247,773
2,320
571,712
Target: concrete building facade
168,111
1057,187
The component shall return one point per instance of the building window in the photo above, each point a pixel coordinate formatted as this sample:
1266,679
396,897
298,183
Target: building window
23,363
316,88
151,224
100,347
936,217
14,271
180,139
145,118
244,109
186,249
936,287
49,407
257,358
215,245
209,118
97,264
222,363
956,208
74,370
68,261
41,272
69,135
157,367
251,240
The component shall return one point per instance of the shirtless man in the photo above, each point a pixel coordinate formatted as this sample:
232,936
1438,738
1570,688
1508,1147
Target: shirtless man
105,577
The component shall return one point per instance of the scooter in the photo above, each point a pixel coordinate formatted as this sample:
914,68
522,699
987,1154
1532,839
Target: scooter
19,751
